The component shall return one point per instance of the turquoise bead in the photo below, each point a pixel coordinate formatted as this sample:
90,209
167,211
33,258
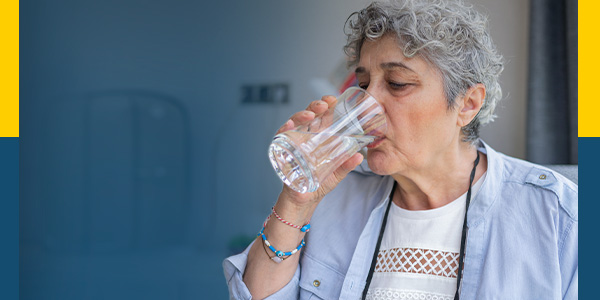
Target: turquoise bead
305,228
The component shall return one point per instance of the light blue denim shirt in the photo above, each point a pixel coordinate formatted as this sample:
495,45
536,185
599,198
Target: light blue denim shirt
521,241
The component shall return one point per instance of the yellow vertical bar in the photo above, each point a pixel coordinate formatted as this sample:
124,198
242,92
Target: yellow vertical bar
589,69
9,71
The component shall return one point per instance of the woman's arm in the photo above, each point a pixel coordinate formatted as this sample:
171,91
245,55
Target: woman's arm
262,275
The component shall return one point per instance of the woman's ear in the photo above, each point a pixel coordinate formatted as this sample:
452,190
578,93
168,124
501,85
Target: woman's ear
470,104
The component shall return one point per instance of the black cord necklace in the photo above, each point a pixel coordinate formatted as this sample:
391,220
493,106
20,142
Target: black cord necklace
463,238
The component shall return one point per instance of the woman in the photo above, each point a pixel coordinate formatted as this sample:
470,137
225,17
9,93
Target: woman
436,200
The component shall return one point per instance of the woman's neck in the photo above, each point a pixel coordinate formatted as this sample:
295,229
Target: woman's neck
440,182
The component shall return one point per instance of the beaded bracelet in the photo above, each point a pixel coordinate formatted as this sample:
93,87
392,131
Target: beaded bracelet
279,255
305,228
274,258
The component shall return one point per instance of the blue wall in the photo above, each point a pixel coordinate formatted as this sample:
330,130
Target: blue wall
140,168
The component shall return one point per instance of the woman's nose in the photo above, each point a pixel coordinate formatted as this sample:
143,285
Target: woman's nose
375,92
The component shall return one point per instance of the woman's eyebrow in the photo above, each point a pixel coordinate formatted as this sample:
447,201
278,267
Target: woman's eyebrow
395,65
386,66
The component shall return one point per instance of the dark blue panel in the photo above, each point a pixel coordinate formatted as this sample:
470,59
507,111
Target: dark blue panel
9,217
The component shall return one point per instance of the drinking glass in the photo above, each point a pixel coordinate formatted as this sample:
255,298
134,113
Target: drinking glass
304,156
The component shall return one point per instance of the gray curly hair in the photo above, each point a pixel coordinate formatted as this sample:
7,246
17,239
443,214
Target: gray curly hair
450,35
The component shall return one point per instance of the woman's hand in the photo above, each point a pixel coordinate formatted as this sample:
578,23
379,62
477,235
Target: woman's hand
308,201
262,276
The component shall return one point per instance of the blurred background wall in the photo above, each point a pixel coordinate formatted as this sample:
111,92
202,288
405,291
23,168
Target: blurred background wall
143,148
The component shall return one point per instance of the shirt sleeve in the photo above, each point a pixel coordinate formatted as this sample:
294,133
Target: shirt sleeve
569,263
234,267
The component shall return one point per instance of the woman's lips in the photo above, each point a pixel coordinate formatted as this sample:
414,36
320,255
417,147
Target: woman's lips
376,143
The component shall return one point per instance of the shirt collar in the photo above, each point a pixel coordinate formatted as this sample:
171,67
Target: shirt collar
485,198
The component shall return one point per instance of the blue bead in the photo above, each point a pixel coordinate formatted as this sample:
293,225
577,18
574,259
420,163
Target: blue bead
279,253
305,228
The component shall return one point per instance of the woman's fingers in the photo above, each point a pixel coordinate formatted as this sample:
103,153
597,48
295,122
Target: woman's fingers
314,109
285,127
318,107
299,118
330,100
302,117
346,167
338,175
310,199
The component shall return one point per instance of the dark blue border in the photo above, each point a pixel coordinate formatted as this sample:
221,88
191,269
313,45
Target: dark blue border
9,217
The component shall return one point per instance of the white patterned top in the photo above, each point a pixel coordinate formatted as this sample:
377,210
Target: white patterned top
418,257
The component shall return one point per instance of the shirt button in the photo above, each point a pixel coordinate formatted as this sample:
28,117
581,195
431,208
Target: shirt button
316,283
542,177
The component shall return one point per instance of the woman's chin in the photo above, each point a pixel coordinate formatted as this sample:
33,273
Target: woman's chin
377,162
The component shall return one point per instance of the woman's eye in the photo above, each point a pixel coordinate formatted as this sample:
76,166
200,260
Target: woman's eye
396,85
363,86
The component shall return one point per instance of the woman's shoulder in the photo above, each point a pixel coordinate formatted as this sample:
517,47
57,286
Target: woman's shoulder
529,179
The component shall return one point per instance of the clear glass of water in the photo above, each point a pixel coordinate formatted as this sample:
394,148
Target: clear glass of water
304,156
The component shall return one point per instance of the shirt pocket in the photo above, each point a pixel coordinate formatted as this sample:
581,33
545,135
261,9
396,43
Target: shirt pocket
318,279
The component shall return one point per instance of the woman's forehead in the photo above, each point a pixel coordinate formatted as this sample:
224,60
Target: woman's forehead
386,53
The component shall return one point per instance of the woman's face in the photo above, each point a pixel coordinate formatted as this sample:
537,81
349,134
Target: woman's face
421,130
